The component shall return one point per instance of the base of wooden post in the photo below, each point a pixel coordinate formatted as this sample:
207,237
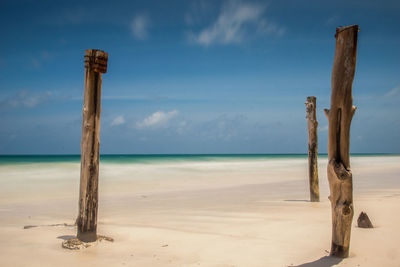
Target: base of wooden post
76,244
339,251
87,236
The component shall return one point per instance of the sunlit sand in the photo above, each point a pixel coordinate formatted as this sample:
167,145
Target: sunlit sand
228,212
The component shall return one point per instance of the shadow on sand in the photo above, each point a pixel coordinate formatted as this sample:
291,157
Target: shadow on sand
66,237
297,200
326,261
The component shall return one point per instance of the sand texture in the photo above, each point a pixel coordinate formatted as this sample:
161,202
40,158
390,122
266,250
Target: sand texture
225,213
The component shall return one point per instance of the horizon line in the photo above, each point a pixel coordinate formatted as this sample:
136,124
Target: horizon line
196,154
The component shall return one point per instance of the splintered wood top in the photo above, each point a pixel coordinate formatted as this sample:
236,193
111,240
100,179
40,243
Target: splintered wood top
96,60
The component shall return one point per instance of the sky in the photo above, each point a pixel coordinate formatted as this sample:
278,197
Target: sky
194,77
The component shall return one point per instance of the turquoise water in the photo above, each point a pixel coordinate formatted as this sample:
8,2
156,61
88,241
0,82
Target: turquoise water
16,159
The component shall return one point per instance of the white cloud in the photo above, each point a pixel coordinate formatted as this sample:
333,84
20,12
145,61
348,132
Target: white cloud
140,27
119,120
157,119
234,23
25,99
394,92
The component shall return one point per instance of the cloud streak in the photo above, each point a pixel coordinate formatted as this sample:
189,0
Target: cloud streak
25,99
394,92
157,119
119,120
140,27
236,21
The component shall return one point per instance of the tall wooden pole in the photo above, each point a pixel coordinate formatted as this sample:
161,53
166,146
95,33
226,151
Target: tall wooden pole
340,115
312,125
95,65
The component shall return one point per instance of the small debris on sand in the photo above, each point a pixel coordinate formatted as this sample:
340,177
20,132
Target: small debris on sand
76,244
106,238
60,224
363,221
47,225
30,226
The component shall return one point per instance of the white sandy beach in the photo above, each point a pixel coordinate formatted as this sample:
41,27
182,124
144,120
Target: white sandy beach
226,213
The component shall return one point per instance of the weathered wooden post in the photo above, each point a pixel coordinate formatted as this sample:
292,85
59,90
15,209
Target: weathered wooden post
95,65
312,125
340,115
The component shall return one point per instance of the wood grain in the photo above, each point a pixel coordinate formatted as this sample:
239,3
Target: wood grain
95,64
312,124
340,116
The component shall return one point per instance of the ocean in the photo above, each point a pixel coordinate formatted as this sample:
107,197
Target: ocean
163,158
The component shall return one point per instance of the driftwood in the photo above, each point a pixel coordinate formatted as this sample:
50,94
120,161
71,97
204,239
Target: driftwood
95,64
312,125
340,115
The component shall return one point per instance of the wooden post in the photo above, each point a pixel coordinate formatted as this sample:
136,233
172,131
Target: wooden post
340,115
312,125
95,65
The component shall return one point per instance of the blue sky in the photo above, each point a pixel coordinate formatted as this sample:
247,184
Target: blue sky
194,76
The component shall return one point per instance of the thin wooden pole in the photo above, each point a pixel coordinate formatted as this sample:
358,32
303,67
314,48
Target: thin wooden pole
95,65
312,125
340,115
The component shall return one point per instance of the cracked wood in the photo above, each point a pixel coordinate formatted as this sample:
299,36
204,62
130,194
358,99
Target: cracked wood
340,116
95,64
